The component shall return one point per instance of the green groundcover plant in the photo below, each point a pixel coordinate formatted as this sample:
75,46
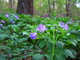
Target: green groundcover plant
23,36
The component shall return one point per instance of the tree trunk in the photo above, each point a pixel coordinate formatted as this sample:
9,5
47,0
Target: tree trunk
68,8
54,5
25,7
54,8
11,3
49,8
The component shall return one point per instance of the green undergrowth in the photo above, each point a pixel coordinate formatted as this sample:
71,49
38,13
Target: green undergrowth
15,41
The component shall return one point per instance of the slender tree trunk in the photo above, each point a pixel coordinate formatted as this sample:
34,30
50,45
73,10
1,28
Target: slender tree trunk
25,7
54,5
49,8
68,8
11,3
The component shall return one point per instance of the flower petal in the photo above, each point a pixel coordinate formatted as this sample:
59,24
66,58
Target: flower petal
7,15
33,35
41,28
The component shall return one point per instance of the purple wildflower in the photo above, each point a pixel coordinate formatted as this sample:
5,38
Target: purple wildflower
11,19
2,21
13,22
61,24
41,28
7,15
66,26
33,35
16,16
1,24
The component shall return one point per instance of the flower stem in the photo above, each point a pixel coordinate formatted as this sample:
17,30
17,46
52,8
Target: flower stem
54,41
53,46
53,52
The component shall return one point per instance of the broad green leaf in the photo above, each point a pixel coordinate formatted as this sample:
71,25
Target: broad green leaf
41,44
2,58
59,44
15,54
38,57
68,53
48,57
74,42
59,57
49,45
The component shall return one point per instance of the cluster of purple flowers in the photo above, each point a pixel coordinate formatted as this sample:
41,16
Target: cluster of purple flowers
2,21
7,16
16,16
12,21
65,26
40,28
43,28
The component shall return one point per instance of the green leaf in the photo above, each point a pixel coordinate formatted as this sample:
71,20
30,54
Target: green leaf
38,57
67,53
74,42
2,58
41,44
49,45
15,28
25,33
59,57
59,44
4,47
14,54
48,57
16,58
3,36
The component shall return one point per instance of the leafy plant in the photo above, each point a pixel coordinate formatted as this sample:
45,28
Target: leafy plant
52,42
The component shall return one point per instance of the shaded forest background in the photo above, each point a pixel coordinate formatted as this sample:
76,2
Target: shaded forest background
45,7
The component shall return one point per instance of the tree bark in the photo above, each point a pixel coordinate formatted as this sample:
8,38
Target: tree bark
54,5
49,8
68,8
25,7
11,4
